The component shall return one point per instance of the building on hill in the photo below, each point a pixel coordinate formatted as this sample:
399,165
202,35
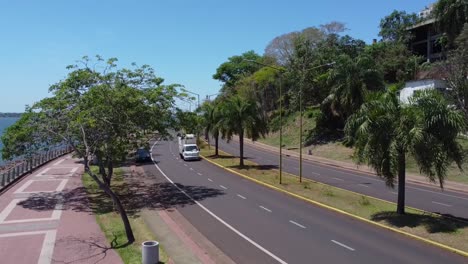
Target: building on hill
425,36
412,86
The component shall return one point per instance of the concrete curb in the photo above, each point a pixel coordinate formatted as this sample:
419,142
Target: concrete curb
460,252
462,188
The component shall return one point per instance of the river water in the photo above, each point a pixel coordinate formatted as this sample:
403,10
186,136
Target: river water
4,123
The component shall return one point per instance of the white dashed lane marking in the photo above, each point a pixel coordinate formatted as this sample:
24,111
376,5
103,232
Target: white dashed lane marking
342,245
241,196
266,209
297,224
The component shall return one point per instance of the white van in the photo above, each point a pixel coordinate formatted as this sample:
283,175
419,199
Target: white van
188,148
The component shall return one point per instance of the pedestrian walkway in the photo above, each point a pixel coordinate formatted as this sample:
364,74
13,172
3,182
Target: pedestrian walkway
45,218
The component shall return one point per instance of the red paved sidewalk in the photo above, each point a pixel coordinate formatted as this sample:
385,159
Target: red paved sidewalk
45,218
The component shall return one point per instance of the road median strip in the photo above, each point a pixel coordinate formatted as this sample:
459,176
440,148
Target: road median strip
111,224
447,233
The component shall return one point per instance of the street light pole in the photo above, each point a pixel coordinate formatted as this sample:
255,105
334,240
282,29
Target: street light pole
281,115
198,96
300,114
208,97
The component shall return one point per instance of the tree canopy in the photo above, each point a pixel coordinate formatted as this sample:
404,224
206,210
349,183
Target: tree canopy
102,114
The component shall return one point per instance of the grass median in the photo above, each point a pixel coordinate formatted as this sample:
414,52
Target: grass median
111,223
449,231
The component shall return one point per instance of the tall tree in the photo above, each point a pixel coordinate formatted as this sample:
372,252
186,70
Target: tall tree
212,121
450,16
394,27
395,61
241,117
236,68
100,114
351,80
385,132
456,67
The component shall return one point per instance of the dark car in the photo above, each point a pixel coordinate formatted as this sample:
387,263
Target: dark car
143,155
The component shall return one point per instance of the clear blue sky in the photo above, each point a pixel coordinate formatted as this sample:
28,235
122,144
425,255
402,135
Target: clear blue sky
185,41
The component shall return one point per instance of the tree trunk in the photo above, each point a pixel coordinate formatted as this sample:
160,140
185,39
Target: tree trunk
102,170
110,171
241,148
117,203
216,143
401,182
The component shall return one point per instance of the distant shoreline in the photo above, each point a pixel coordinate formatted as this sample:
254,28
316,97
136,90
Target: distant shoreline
10,115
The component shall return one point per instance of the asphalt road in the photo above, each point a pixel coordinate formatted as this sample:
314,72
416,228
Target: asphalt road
418,196
254,224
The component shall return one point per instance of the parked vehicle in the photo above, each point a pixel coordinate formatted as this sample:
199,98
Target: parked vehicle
143,155
188,149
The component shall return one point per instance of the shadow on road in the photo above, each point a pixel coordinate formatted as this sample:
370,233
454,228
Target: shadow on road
432,223
135,196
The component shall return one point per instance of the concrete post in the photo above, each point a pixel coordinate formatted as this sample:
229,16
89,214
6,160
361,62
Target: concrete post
150,252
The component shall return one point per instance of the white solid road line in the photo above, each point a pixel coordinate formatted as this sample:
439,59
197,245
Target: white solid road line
223,187
338,179
363,185
448,195
295,223
217,217
264,208
443,204
199,174
238,195
343,245
210,180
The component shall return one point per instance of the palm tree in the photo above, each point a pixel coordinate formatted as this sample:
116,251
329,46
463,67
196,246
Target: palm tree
242,117
211,121
351,79
385,132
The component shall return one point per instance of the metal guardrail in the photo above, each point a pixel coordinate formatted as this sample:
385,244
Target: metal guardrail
28,165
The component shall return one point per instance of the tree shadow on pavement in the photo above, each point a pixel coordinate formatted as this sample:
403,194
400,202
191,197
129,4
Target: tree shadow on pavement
432,223
84,250
134,195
